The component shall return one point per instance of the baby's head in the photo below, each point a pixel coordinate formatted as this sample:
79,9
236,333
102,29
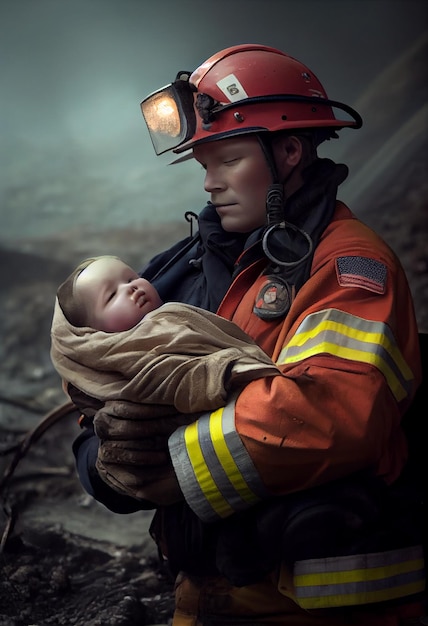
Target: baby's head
106,294
68,298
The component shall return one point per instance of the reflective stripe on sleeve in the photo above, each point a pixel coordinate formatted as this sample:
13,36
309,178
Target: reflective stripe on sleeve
359,579
215,472
354,338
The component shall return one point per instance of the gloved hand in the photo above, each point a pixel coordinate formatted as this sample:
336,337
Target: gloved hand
87,405
133,455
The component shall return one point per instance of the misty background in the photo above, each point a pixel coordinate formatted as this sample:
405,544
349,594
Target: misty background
75,152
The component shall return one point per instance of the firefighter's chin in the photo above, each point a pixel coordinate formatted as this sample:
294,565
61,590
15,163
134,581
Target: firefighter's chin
235,224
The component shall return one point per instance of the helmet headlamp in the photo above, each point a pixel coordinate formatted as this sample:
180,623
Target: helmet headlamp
169,114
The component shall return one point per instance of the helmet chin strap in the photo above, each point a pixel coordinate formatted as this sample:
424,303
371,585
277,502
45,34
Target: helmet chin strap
275,215
275,197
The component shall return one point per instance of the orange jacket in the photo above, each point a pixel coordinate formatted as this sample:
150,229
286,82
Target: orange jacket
349,353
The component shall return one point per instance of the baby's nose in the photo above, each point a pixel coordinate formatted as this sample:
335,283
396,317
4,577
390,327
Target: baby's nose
133,290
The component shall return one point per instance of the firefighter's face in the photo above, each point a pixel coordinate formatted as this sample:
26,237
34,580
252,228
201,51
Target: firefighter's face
237,178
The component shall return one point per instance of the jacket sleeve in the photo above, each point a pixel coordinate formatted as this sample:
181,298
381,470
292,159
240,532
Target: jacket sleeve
349,355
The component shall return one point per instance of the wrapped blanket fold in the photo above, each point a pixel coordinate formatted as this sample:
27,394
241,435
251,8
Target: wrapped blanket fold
177,355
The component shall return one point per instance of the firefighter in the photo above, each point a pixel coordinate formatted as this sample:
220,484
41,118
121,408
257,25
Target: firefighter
289,505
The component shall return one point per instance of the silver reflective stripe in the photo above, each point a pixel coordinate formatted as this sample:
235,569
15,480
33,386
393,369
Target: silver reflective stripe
353,338
186,476
214,470
359,579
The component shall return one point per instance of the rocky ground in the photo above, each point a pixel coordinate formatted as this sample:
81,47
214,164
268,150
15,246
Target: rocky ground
64,559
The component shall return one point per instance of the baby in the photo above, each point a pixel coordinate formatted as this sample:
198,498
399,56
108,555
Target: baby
114,339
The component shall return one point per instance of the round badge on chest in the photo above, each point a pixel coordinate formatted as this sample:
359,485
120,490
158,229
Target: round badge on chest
274,298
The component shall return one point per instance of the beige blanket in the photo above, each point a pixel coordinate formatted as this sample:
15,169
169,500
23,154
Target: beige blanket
178,355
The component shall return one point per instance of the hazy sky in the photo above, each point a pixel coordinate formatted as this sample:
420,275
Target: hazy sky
73,72
84,65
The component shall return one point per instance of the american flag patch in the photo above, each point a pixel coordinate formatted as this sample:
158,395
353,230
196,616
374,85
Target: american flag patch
360,271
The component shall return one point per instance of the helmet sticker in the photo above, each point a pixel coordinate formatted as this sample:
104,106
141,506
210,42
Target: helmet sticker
232,88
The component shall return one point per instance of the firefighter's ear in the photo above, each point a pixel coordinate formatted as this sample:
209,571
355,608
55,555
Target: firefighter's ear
288,152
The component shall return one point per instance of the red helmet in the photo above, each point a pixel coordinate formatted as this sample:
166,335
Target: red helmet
244,89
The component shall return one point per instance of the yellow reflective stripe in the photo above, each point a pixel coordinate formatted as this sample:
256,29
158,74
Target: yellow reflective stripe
372,573
356,355
376,338
227,461
342,581
365,597
202,473
367,351
213,467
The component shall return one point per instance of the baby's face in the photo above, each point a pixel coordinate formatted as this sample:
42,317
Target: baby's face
113,296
